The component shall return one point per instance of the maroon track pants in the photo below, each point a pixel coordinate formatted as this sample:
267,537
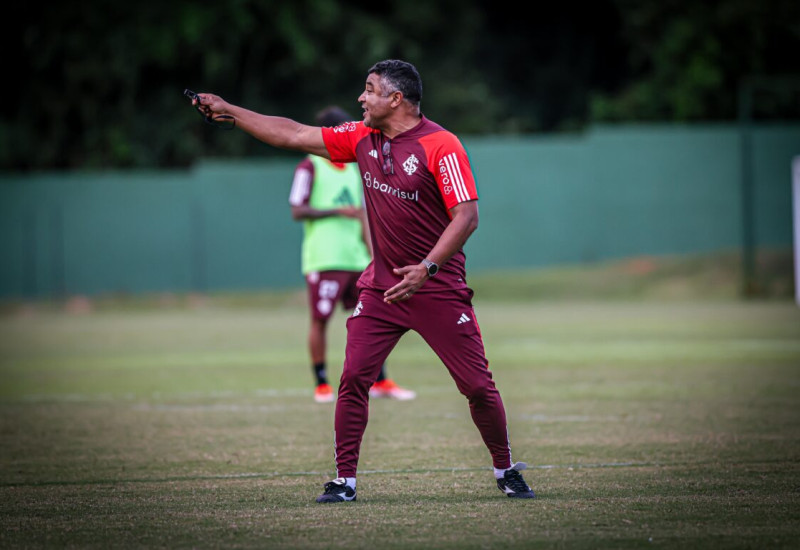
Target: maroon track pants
446,321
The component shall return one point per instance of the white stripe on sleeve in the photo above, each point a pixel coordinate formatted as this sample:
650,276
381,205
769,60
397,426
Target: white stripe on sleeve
301,187
458,179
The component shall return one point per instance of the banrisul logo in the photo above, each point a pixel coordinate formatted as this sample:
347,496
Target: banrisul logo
376,185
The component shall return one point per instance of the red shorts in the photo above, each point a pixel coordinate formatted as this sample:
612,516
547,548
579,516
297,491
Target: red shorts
326,288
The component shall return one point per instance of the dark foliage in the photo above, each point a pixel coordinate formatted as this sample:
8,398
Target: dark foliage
98,83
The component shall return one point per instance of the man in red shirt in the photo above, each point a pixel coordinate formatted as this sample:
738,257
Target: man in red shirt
421,201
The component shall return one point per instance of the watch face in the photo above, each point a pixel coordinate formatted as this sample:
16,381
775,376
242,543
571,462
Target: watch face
433,269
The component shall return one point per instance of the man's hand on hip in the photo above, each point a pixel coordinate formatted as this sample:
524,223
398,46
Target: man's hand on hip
414,276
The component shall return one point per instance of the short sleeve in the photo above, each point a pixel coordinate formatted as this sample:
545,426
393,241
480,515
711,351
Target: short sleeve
341,140
450,166
302,183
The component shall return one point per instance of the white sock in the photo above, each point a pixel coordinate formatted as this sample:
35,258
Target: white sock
349,481
499,473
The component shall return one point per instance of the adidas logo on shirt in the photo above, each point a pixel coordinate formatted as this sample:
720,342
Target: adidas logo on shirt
464,319
373,154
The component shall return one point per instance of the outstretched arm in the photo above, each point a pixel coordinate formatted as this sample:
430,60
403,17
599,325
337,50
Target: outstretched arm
280,132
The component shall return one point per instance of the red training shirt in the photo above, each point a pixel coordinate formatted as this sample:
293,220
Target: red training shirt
409,209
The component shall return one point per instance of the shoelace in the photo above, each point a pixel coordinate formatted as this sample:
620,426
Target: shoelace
514,480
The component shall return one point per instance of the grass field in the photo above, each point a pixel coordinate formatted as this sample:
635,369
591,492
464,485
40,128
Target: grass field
646,424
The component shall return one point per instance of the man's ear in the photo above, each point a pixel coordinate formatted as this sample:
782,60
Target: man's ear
397,98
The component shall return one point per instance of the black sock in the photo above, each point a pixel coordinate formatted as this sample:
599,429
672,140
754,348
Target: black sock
319,373
382,374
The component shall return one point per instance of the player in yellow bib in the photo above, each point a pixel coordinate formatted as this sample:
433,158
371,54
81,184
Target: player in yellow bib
327,198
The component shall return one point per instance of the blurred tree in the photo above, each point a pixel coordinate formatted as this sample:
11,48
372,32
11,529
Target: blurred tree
545,66
688,58
99,83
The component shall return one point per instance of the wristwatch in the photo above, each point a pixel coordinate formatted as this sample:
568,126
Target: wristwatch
433,268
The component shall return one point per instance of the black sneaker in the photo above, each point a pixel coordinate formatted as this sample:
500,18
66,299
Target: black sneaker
512,483
337,491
